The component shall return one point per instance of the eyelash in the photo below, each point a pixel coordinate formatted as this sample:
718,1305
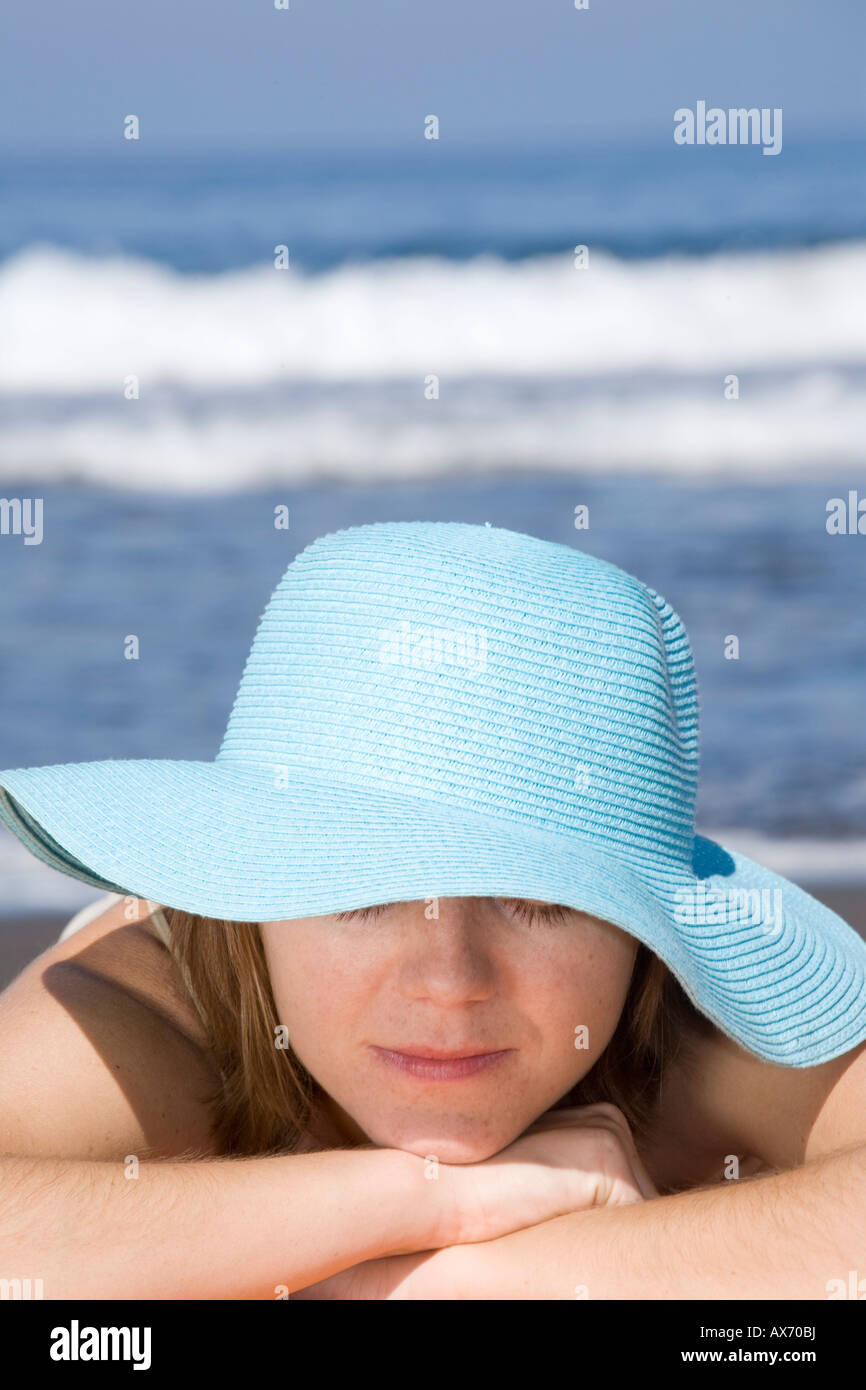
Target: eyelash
375,911
528,914
531,915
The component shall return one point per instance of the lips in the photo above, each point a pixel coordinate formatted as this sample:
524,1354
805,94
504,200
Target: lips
440,1054
439,1064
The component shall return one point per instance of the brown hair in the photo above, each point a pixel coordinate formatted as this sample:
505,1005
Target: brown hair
266,1097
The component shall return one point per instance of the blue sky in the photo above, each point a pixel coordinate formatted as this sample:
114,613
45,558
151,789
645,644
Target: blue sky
350,73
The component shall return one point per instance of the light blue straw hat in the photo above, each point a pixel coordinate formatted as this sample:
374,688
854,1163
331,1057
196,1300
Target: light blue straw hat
438,709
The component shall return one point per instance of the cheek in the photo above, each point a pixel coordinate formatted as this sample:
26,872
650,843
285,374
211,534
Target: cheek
318,992
578,997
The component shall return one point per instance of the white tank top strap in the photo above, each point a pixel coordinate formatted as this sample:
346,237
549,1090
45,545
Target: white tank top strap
89,914
95,909
157,916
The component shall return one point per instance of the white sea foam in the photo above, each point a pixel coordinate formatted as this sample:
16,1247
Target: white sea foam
807,425
256,376
75,323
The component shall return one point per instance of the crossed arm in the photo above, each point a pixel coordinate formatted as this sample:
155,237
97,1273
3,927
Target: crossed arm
794,1234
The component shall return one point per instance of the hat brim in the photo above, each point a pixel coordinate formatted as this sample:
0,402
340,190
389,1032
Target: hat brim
231,842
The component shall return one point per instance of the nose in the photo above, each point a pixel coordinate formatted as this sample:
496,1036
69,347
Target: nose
446,958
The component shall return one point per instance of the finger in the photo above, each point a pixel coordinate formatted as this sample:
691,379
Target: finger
601,1115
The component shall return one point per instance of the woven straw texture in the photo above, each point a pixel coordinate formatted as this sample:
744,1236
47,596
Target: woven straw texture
439,709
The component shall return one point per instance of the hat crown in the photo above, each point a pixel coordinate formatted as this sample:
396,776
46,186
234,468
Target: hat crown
480,668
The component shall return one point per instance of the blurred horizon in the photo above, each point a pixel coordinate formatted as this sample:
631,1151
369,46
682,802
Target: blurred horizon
227,75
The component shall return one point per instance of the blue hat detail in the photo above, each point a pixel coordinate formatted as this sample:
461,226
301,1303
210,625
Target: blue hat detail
442,709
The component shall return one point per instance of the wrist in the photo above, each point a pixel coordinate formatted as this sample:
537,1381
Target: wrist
421,1202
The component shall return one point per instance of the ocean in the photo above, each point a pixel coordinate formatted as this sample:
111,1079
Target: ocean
431,349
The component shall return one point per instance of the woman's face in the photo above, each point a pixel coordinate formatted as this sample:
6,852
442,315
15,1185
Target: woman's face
541,986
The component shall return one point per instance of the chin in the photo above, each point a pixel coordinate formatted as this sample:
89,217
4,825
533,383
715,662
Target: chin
450,1148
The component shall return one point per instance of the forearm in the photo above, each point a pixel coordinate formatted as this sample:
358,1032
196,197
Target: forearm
786,1235
212,1229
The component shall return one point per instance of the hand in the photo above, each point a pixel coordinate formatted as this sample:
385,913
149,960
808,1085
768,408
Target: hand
566,1161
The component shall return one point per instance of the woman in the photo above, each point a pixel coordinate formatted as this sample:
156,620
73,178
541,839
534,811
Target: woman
427,971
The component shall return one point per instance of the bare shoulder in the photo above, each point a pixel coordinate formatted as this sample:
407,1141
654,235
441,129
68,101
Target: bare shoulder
130,953
837,1118
103,1053
799,1114
721,1101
